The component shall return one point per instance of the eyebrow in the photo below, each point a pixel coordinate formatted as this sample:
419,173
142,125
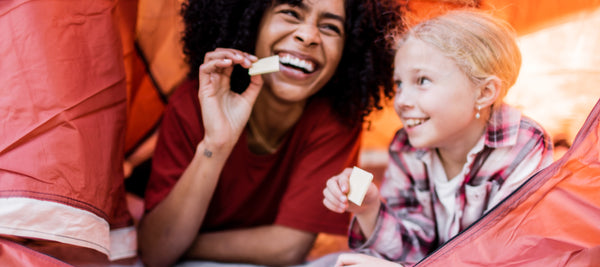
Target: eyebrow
334,16
327,15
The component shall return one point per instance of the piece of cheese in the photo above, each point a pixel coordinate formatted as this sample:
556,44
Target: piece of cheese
264,65
360,180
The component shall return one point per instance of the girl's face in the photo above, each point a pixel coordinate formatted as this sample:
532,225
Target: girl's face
434,98
309,39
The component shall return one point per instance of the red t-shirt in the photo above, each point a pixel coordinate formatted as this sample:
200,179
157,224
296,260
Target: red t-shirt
284,188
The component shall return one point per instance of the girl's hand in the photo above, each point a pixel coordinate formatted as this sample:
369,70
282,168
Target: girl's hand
336,199
336,190
362,260
224,112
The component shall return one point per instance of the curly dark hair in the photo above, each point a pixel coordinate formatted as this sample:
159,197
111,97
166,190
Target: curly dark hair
363,76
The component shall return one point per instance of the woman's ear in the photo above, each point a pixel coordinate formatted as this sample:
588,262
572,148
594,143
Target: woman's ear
489,91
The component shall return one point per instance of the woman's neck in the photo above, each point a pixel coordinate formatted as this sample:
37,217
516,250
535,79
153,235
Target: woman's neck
270,122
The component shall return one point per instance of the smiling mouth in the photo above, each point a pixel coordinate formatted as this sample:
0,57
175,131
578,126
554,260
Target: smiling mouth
413,122
305,66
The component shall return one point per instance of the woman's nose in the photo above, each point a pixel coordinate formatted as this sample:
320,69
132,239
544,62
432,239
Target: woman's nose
308,35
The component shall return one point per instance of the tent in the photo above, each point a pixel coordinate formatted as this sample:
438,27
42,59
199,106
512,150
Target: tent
63,108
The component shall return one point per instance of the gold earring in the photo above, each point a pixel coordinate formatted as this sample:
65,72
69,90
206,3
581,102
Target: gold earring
478,115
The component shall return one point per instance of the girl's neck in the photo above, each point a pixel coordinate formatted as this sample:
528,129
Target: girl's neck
454,158
452,164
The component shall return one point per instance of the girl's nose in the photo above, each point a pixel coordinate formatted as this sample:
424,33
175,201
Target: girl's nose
403,100
308,35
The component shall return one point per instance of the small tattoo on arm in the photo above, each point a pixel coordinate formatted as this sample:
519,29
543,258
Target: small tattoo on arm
207,153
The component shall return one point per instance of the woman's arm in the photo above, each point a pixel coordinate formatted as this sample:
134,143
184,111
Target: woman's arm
168,230
271,245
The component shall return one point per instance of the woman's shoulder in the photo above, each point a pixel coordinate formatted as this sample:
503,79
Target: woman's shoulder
183,105
186,91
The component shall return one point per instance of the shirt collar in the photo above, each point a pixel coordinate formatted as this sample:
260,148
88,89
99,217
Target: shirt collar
503,127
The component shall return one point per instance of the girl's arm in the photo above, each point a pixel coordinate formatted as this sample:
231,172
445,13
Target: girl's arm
336,200
404,229
361,260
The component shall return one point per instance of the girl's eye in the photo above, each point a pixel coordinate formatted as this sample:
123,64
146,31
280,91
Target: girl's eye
398,85
422,80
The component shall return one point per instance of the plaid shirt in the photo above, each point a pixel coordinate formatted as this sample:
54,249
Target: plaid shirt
409,225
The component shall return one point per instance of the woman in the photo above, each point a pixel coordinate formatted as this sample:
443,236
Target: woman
241,161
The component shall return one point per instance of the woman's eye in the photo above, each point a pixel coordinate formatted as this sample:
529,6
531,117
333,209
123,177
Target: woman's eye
290,12
332,28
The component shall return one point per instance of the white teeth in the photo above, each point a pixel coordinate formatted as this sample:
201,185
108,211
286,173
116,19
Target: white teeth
298,63
413,122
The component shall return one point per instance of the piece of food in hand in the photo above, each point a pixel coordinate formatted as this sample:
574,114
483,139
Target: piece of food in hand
264,65
360,180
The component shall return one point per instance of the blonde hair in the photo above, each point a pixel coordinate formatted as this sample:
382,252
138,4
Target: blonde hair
481,45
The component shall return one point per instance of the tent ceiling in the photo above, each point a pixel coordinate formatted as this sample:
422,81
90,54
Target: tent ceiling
525,15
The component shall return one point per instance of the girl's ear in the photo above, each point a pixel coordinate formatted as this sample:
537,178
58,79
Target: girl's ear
489,92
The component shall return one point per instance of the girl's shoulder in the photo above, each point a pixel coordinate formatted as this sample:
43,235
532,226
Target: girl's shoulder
508,125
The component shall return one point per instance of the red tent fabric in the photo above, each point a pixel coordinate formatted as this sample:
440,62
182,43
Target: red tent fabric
13,254
552,220
63,108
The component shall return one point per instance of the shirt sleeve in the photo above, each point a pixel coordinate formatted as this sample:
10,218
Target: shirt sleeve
405,229
179,134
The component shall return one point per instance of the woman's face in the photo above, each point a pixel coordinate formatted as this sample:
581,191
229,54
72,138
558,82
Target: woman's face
309,39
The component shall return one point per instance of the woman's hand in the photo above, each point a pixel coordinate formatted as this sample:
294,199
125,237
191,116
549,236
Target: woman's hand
362,260
336,195
224,112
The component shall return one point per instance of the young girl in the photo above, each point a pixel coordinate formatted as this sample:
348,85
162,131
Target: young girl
461,150
241,161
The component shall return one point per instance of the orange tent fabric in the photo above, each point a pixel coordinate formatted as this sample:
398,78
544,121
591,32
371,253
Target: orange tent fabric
154,66
63,107
552,220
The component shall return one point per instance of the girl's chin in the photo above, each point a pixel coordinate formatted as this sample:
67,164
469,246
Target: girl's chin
418,142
